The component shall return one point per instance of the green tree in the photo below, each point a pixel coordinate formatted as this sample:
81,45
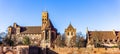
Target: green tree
8,41
26,40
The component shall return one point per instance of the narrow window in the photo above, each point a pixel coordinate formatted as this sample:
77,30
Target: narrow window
71,33
68,33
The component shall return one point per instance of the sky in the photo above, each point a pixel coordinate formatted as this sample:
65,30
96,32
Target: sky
101,15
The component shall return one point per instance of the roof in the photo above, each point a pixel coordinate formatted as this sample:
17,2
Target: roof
70,26
31,29
105,34
49,25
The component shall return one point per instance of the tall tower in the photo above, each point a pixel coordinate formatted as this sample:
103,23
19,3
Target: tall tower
46,31
70,34
44,19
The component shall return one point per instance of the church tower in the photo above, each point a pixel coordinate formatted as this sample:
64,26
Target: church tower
70,34
47,29
44,19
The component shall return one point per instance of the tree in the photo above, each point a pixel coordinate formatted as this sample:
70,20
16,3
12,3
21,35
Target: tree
0,40
26,40
8,41
63,40
80,40
2,35
58,41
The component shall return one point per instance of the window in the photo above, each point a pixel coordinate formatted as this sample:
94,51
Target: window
68,33
99,40
115,40
42,19
105,40
110,40
43,16
71,33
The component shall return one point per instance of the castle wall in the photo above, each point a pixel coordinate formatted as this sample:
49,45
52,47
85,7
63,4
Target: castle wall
65,50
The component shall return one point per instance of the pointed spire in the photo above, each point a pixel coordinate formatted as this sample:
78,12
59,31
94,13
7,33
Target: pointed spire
15,25
87,30
70,25
70,22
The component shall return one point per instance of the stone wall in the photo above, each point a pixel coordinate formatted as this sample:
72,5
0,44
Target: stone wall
57,50
14,49
66,50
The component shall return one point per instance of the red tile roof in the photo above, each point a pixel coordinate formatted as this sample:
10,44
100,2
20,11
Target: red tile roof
31,29
105,34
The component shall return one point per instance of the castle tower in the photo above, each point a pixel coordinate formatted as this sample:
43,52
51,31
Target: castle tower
70,34
9,30
46,30
44,19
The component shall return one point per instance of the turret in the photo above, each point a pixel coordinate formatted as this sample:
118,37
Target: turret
44,18
18,30
15,25
70,34
9,29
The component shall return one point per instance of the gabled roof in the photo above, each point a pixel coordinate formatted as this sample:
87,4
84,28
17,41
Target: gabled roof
70,26
50,25
105,34
31,30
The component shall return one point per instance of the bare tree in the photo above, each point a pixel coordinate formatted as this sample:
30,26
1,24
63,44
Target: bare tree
60,41
63,40
80,40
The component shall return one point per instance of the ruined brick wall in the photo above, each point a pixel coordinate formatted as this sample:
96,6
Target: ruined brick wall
59,50
66,50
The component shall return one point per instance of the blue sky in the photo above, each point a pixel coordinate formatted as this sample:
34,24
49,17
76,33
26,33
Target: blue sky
94,14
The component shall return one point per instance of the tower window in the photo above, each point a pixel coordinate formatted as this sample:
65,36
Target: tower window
43,16
68,33
43,19
71,33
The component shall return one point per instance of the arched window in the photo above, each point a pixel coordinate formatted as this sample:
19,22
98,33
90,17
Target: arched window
68,33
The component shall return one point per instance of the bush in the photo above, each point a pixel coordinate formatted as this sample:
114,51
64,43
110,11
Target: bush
26,40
